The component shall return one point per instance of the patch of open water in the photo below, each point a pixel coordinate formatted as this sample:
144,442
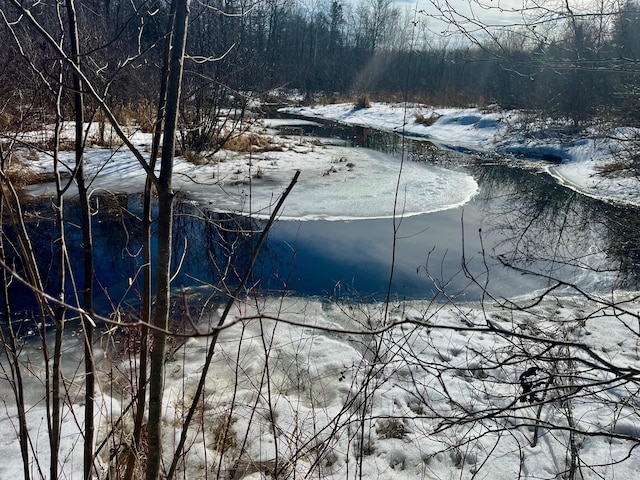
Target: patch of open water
520,218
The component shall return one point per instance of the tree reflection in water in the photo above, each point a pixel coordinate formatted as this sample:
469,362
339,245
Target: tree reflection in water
552,230
209,249
526,219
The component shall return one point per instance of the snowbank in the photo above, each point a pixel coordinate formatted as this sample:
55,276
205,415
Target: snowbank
435,392
475,130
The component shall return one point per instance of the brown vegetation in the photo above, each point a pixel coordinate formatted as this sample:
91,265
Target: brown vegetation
427,120
252,142
617,168
140,114
363,101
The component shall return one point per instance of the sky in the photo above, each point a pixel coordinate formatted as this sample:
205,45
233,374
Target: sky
472,14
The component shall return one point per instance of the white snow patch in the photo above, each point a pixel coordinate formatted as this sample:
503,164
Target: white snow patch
301,395
506,132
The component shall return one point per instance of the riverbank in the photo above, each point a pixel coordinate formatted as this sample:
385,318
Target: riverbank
596,161
497,388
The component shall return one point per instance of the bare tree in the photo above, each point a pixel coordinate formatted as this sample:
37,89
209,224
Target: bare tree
165,218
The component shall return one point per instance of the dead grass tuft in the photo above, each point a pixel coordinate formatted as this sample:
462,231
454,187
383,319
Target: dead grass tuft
223,435
252,142
195,158
363,101
24,177
391,428
427,120
48,144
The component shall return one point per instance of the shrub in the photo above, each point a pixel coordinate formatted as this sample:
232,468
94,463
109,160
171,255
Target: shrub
427,120
362,101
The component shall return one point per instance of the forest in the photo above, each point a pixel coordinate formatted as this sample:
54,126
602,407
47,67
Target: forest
575,64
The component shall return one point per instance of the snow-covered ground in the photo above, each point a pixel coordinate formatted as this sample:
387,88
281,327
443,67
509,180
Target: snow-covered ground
339,183
336,182
406,391
504,132
435,393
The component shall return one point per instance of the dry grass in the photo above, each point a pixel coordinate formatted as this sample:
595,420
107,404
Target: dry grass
141,114
391,428
223,435
449,98
19,173
47,143
617,168
24,177
363,101
252,142
427,120
195,158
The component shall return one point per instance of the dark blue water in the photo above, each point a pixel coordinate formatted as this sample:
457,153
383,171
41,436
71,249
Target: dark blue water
520,219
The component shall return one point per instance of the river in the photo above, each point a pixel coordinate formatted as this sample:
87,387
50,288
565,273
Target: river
521,233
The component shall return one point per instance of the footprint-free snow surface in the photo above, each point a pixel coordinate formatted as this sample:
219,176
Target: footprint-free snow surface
336,182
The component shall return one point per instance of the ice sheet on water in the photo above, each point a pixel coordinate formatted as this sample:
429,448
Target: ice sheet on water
360,184
336,182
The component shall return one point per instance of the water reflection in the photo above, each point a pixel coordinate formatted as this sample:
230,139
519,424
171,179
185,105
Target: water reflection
208,249
521,216
366,137
553,230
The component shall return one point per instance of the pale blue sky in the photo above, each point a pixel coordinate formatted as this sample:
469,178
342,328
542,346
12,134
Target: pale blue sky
497,12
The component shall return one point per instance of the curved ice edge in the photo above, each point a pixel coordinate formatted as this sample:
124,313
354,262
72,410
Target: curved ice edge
540,152
292,122
553,172
345,218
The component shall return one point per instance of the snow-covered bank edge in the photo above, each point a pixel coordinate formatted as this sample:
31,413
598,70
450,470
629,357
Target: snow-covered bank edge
581,157
336,182
434,391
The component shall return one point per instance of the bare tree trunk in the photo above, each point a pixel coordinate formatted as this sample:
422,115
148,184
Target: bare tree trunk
59,315
87,243
165,221
9,345
147,292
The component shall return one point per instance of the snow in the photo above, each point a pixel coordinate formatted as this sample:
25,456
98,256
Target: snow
438,402
336,182
486,131
432,389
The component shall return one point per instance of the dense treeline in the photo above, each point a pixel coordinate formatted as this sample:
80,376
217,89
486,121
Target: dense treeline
565,64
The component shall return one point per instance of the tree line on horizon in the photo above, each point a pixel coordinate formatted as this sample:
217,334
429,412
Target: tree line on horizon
564,64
